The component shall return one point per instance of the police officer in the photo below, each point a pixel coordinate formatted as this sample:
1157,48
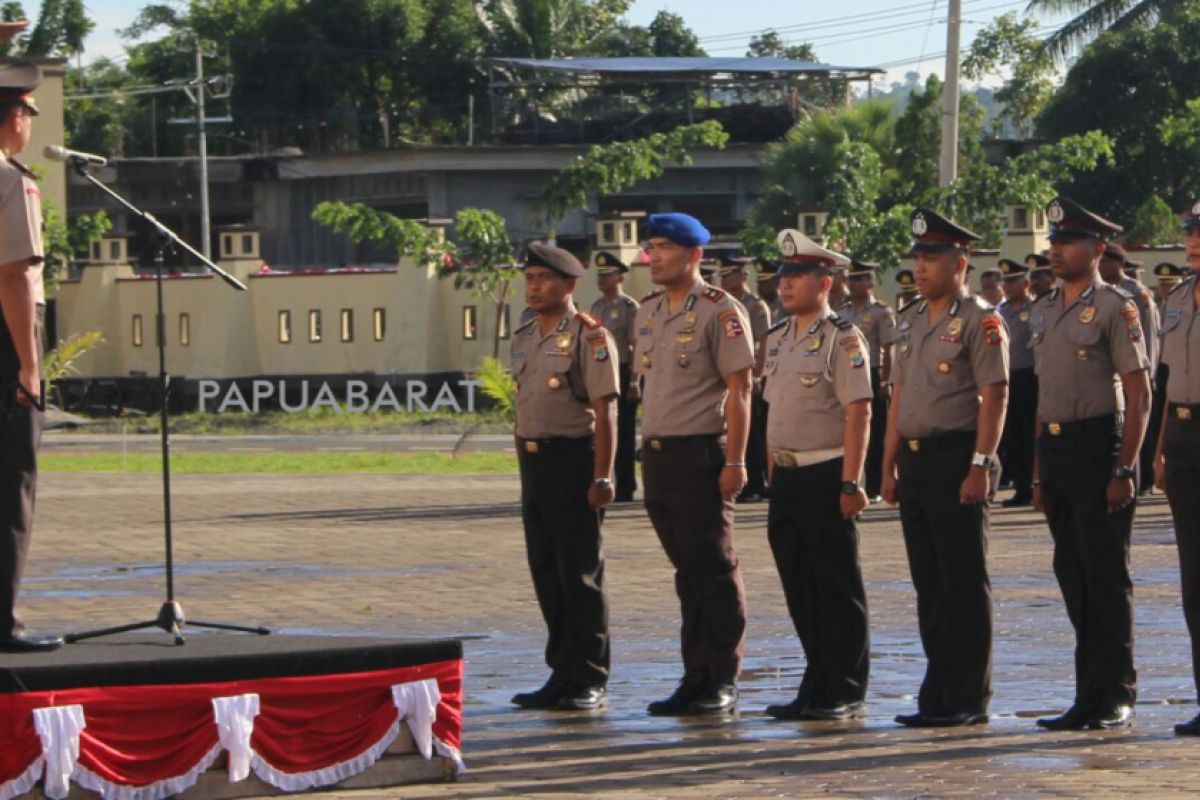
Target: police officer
1020,422
877,323
1041,277
767,278
22,309
989,286
695,357
1169,276
618,312
1085,334
565,366
732,274
1178,455
906,288
819,388
950,381
1113,270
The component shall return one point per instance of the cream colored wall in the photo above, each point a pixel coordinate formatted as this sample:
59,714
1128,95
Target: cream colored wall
48,129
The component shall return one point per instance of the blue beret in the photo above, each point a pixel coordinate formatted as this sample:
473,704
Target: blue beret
681,229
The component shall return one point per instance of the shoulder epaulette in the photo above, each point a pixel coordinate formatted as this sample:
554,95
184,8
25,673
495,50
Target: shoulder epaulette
908,305
652,295
526,326
714,294
587,319
783,323
627,300
24,170
839,323
1120,292
878,304
1188,281
981,303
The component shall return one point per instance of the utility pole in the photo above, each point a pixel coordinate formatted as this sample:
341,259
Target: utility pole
202,146
948,163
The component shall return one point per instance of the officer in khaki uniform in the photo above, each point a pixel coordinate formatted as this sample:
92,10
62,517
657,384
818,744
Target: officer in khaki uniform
906,288
695,358
767,279
1178,456
565,366
1020,423
950,380
819,387
1041,277
22,309
1091,365
618,312
732,274
877,322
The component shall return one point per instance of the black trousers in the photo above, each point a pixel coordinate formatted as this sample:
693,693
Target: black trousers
20,437
1181,447
695,527
1091,556
816,552
1158,403
625,479
756,447
873,468
1020,431
947,555
562,541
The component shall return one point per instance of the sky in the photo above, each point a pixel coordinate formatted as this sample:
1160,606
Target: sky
898,35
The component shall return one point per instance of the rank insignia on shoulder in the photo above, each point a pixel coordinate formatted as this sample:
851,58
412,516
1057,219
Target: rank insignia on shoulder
714,294
652,295
839,323
588,320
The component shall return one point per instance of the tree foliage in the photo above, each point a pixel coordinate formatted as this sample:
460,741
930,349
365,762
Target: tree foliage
1093,17
1153,223
1009,42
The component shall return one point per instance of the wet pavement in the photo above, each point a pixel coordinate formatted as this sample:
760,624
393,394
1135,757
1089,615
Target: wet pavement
436,556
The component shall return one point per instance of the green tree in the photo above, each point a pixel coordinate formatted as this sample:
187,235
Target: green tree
918,142
11,11
547,28
1153,223
61,28
1094,17
1010,42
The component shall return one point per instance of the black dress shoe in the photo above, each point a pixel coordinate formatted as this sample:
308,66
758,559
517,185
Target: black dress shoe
1189,728
545,697
961,719
23,643
1074,718
834,713
688,690
717,698
1112,717
917,720
792,710
583,698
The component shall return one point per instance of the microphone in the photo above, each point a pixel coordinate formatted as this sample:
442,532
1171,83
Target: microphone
55,153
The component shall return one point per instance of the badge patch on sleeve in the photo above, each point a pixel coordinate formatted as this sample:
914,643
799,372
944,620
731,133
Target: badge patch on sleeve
731,324
600,353
993,331
857,359
1133,324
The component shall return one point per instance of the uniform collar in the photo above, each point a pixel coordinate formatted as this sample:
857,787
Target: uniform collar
955,304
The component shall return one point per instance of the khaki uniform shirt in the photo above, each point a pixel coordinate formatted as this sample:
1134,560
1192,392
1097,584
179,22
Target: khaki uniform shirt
21,222
559,373
778,312
942,366
1147,311
877,323
758,313
620,318
813,375
684,357
1016,317
1181,344
1081,351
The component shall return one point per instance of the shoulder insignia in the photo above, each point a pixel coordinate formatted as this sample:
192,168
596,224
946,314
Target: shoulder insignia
1119,292
652,295
714,294
588,320
24,170
629,301
526,326
839,323
1188,281
908,305
981,303
780,325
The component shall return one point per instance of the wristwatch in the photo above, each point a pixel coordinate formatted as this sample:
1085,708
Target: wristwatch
1121,472
849,487
602,483
981,460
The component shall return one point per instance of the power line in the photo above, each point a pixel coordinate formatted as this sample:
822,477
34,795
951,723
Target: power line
1040,33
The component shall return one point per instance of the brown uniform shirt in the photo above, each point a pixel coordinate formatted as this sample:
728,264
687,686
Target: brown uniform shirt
1081,351
620,318
1147,312
559,373
758,313
684,357
1181,344
813,375
1016,317
21,222
877,323
942,367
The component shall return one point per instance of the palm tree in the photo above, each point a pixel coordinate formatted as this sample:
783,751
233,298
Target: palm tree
1093,17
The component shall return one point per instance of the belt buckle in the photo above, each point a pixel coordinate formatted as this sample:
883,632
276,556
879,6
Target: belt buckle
656,444
1183,413
1054,428
914,445
531,446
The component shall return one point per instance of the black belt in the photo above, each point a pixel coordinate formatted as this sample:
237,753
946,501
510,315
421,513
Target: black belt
662,443
1082,427
1188,412
943,441
548,444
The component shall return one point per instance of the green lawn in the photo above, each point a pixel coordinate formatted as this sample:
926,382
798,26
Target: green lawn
234,463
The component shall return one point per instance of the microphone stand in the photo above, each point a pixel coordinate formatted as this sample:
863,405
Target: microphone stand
170,616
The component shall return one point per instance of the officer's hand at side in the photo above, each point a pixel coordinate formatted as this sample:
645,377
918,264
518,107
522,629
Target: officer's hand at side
1160,473
733,480
1037,498
31,382
888,490
600,496
1119,494
974,487
853,504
